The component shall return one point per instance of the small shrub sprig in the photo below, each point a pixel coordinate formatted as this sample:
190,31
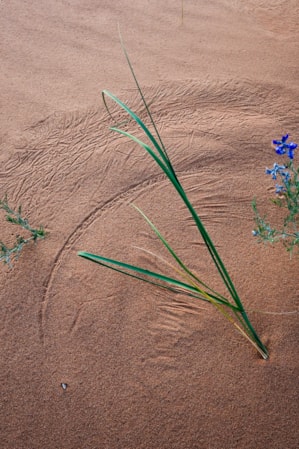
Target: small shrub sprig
9,255
287,191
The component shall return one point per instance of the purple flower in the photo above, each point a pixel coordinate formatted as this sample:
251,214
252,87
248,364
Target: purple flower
291,151
286,176
275,170
279,189
282,146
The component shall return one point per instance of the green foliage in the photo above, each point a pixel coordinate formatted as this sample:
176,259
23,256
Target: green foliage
10,254
287,198
231,307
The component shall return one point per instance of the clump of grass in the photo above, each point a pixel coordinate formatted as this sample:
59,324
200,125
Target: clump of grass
188,282
287,197
9,255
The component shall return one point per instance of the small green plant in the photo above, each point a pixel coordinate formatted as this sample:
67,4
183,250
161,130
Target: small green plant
190,283
287,197
9,255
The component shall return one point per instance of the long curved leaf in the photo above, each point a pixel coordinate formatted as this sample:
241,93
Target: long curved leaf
196,293
176,257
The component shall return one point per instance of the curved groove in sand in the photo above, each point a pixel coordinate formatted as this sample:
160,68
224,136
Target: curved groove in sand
78,231
191,110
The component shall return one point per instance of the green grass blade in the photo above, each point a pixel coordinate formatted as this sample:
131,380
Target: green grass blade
177,259
208,242
159,154
213,252
169,171
186,288
141,94
143,271
139,123
173,178
148,149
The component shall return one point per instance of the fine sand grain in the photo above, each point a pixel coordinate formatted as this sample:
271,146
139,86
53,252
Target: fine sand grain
94,360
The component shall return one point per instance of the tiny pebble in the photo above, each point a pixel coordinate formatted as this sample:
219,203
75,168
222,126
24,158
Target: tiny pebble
64,386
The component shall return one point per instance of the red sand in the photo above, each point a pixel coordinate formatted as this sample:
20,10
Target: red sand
145,369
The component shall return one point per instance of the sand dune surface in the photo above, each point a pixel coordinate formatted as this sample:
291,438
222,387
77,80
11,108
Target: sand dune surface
91,359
